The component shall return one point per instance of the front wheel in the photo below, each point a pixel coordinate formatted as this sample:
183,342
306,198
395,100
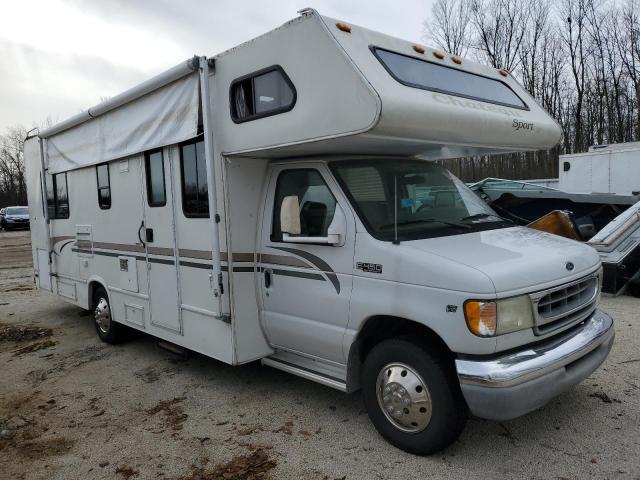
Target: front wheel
412,397
108,330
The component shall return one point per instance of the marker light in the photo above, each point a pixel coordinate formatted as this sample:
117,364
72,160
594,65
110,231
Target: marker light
456,59
419,48
504,72
481,317
344,27
439,55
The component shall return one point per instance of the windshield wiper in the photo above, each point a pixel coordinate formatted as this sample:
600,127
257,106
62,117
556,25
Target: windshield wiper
428,220
478,216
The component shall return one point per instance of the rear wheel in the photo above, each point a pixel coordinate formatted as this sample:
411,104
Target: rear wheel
412,397
108,330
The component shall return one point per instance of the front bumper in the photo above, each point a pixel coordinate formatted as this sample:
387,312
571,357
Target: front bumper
13,224
519,382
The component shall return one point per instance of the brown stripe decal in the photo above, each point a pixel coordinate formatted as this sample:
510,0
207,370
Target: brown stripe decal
119,246
83,244
283,260
160,251
243,257
55,240
199,254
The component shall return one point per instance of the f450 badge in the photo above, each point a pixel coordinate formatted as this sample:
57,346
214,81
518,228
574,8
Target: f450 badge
369,267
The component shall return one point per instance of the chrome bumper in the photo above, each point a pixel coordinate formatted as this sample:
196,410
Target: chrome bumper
519,382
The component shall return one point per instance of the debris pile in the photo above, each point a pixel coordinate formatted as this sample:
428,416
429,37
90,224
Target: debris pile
255,466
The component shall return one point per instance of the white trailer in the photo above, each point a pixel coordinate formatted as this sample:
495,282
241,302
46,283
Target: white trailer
611,168
276,202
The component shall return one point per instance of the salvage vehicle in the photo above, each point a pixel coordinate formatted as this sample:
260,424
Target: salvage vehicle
277,202
13,218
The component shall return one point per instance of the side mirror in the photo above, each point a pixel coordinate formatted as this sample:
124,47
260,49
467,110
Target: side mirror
290,215
337,231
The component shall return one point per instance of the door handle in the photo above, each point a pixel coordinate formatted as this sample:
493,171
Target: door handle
140,234
268,278
148,233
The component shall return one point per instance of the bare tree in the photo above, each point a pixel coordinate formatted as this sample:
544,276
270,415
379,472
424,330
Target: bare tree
580,59
628,42
13,188
500,27
448,28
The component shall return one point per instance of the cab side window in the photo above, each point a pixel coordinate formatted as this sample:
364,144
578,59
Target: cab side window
317,203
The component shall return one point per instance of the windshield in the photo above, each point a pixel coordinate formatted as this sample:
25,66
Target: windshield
17,211
412,199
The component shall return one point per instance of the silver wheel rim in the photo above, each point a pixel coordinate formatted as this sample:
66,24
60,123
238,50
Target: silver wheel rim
404,398
102,315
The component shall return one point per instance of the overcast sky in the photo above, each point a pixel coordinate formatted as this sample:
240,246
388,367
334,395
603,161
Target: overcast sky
58,57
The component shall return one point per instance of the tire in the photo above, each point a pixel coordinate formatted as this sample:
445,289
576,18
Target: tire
413,397
108,330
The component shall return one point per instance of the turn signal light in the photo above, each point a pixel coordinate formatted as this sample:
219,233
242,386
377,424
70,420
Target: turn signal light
481,317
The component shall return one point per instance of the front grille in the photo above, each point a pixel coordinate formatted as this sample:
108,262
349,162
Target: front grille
564,305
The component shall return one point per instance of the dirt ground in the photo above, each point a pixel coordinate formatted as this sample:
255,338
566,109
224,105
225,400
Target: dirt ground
72,407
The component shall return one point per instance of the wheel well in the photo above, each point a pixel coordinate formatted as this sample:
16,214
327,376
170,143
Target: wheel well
382,327
93,286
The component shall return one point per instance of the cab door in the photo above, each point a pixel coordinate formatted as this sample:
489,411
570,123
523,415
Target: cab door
306,287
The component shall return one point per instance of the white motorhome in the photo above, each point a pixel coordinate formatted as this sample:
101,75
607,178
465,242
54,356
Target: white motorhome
277,202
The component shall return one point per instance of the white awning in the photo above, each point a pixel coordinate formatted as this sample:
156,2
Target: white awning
162,111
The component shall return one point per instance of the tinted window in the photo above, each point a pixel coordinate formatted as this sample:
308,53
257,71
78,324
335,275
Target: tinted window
317,203
195,199
418,73
104,186
154,167
263,93
57,196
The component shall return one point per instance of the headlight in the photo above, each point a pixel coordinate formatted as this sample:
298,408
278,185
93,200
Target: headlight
489,318
514,314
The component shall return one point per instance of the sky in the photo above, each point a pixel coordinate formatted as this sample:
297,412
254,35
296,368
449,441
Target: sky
58,57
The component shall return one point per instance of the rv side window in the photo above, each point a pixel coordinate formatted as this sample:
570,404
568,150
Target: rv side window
195,197
317,203
260,94
417,73
104,186
154,168
57,196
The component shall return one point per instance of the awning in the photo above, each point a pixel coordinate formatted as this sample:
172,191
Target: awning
162,111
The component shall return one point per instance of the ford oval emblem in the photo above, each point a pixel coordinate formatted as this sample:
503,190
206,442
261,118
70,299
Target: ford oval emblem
569,266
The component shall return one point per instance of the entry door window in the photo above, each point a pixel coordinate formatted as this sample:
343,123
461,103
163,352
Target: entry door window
195,196
317,203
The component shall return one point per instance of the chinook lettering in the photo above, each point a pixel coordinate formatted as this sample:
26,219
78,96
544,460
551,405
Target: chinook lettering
463,102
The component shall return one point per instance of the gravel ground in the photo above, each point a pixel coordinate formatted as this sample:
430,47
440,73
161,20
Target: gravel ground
72,407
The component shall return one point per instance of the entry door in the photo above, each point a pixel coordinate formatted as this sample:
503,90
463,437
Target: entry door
159,236
306,288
